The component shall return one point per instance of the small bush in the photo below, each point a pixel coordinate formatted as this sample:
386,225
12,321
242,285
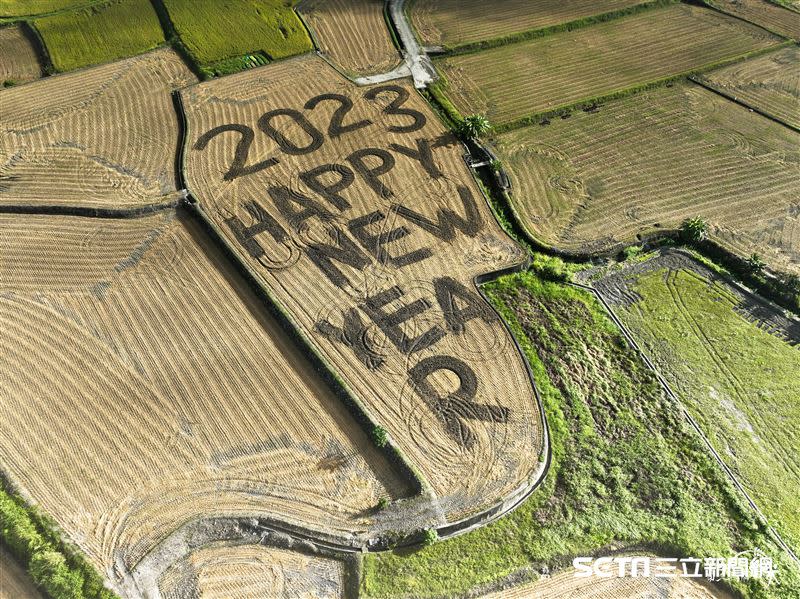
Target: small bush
49,570
383,503
474,126
694,230
380,437
430,537
756,264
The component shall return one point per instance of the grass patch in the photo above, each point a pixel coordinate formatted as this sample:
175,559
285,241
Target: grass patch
215,31
24,8
738,381
626,467
32,538
100,34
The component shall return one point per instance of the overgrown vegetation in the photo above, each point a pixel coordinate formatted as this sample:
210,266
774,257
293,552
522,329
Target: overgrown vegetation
247,28
100,33
626,467
58,569
738,381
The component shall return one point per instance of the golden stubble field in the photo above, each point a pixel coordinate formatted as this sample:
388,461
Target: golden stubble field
104,136
225,570
769,83
354,208
338,23
647,162
145,386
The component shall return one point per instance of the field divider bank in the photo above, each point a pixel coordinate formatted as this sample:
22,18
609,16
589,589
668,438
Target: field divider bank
731,97
522,36
674,397
592,102
90,211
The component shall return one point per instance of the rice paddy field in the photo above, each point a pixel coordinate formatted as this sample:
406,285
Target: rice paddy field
24,8
18,60
647,162
14,581
101,33
147,387
238,571
249,26
764,13
513,82
732,360
337,23
370,235
768,83
103,137
626,468
451,23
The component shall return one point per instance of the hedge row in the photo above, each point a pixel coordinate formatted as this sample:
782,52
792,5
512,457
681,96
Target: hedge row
59,570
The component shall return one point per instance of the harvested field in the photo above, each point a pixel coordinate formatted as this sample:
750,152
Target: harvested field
249,26
765,13
455,22
99,34
647,162
14,581
228,571
564,585
146,386
733,360
515,81
337,25
768,83
103,137
370,242
18,60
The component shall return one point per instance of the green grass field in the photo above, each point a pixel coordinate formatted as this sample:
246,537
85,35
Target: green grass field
100,34
740,382
23,8
248,27
626,466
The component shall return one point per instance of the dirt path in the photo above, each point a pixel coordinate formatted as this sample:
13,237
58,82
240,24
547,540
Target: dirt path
416,62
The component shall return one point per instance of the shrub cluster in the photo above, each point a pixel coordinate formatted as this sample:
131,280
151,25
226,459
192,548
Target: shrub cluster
56,569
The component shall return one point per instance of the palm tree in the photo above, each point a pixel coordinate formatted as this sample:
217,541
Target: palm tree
475,125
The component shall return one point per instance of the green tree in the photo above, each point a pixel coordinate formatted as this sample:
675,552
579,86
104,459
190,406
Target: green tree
430,537
474,125
755,263
379,436
49,570
694,229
